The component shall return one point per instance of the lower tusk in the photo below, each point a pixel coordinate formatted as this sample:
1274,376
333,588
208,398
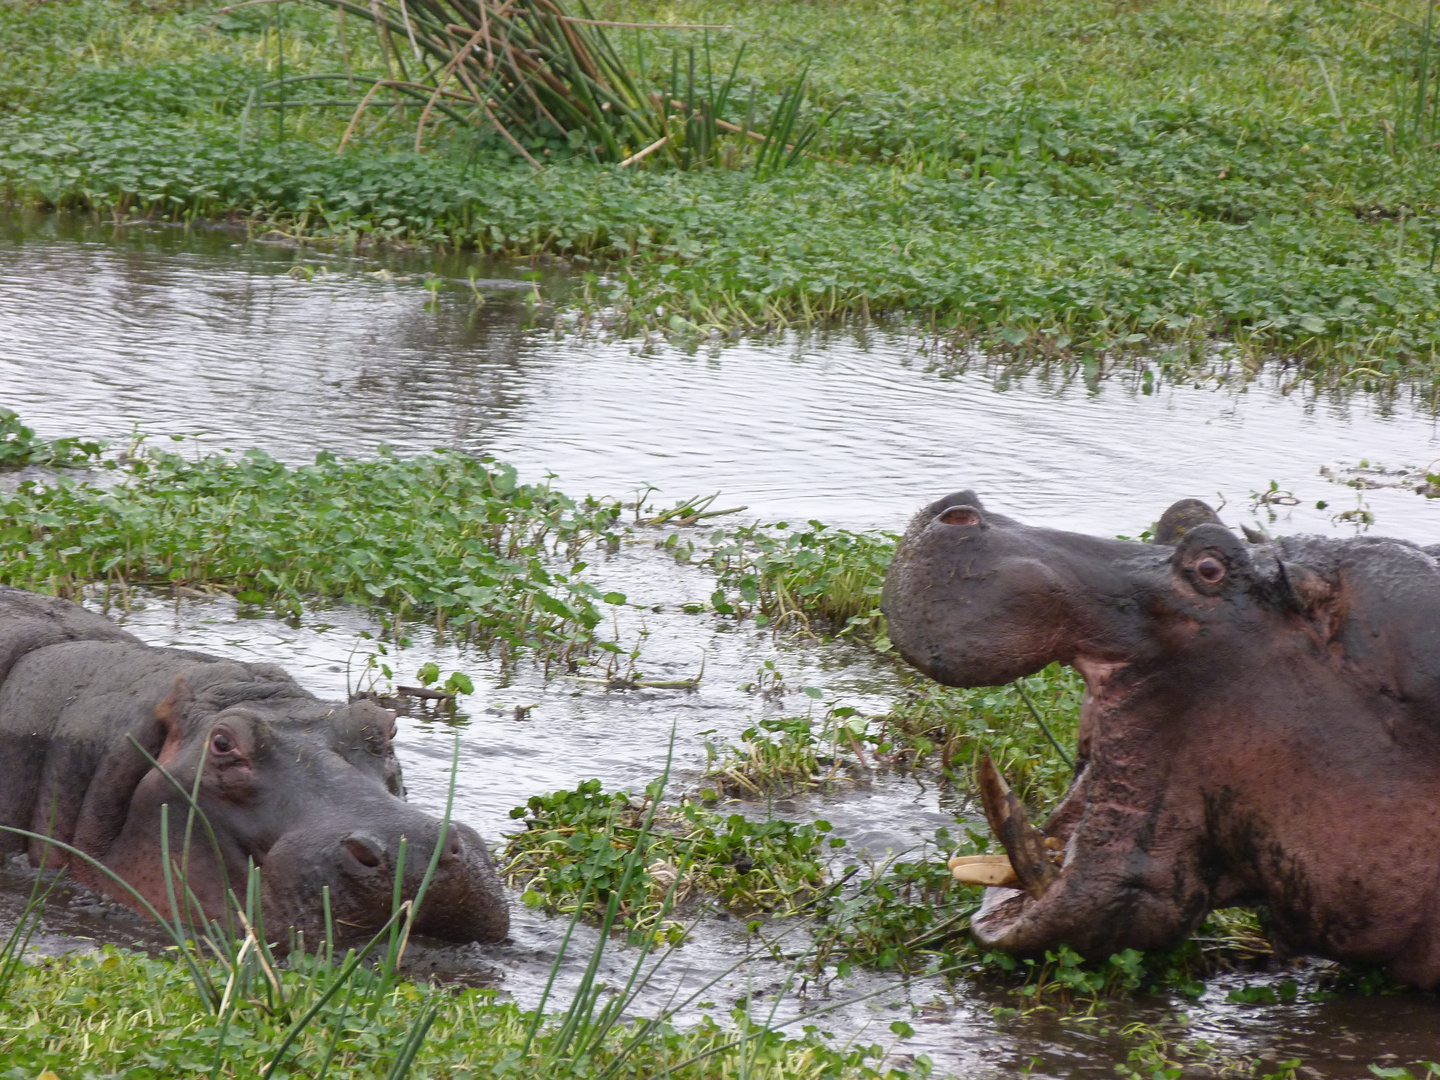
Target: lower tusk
983,870
1030,856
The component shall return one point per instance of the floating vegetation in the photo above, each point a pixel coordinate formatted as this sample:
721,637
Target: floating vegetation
453,539
574,849
804,582
19,446
779,758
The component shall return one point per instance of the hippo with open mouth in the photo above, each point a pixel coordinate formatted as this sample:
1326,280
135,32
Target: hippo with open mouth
306,790
1261,725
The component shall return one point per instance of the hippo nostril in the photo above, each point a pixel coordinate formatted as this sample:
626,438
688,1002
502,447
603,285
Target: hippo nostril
960,515
363,850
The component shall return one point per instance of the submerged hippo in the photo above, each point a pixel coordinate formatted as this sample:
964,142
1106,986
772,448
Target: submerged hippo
1261,725
306,790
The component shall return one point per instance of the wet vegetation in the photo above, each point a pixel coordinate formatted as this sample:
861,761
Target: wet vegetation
120,1014
448,538
19,446
1050,180
579,844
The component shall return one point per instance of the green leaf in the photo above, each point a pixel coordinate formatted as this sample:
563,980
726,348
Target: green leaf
459,683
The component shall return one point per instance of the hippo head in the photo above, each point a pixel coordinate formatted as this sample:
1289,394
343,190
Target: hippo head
310,793
1261,724
976,599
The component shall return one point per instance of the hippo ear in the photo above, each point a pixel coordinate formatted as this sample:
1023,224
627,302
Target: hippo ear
1308,593
1212,559
1180,518
170,715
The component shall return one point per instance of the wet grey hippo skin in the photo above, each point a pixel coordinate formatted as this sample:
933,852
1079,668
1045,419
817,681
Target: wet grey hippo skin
308,790
1261,725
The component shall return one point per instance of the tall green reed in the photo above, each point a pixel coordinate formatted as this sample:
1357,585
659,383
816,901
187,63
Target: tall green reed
1415,90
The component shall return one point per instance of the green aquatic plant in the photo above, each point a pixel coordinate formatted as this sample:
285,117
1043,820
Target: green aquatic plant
456,540
576,851
19,446
1066,181
955,725
803,581
783,757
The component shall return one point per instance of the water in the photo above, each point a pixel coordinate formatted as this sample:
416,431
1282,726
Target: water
207,336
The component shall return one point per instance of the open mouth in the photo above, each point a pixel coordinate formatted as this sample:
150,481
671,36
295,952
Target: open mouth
1032,864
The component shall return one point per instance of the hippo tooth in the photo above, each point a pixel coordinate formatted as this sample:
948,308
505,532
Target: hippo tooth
1023,842
983,870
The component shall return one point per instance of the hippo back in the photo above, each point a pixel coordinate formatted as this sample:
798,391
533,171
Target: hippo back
29,621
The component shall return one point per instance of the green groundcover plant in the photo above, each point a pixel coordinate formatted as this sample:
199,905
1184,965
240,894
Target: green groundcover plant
455,539
1039,178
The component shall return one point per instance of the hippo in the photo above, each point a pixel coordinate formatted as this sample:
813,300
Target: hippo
308,791
1260,726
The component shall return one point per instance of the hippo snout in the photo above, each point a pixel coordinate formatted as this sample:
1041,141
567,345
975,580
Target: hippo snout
464,900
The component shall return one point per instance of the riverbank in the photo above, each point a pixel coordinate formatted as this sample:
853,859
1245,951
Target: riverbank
1031,179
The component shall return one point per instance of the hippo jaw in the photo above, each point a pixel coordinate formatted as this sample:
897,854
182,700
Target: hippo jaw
1129,874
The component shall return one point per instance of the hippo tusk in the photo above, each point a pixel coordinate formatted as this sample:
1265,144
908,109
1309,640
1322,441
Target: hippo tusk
1024,844
983,870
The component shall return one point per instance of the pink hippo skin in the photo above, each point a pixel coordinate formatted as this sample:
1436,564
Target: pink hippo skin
1261,725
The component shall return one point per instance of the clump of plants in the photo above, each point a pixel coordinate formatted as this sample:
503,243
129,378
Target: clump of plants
814,581
783,757
19,446
576,845
1025,726
454,539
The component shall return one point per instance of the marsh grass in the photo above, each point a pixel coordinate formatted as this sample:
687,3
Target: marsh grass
1080,181
528,67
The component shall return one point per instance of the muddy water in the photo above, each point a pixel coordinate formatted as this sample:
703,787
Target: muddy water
209,336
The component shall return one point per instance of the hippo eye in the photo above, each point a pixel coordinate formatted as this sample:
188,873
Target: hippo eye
1210,569
221,743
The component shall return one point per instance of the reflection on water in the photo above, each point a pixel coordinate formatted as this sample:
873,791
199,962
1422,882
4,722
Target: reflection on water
207,335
